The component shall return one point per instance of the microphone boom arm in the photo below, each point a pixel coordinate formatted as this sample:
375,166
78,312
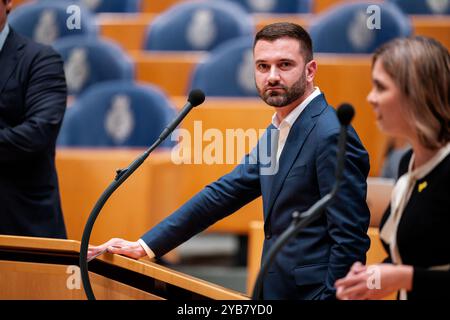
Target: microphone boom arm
122,175
196,97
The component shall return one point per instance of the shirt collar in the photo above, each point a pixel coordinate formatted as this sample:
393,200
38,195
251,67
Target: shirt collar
427,167
3,35
294,114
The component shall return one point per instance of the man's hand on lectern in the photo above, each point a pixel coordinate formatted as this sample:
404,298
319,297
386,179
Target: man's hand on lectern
118,246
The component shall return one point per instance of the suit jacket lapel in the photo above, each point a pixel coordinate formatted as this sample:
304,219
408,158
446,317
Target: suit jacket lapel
9,58
294,143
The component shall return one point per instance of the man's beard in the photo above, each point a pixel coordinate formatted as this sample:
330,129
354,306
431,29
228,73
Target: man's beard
281,99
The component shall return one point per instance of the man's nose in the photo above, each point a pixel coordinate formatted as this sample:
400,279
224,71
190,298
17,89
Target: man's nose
274,75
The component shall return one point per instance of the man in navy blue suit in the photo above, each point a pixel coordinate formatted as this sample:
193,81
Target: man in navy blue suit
32,105
305,129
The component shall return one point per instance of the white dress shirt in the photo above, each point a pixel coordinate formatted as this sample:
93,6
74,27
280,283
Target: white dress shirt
284,127
3,35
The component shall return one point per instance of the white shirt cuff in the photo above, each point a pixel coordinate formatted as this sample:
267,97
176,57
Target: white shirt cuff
146,248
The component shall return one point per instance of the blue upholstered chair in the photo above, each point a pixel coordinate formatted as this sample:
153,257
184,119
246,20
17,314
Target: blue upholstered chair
276,6
358,27
48,21
89,60
228,70
198,25
117,114
108,5
423,6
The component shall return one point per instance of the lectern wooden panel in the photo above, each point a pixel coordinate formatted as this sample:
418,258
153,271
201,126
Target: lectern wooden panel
41,268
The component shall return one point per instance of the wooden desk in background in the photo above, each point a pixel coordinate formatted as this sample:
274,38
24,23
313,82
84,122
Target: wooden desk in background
153,192
129,30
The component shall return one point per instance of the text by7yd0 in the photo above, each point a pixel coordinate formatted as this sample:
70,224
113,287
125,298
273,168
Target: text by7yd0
257,309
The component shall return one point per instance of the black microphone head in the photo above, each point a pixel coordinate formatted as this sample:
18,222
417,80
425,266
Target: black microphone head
196,97
345,113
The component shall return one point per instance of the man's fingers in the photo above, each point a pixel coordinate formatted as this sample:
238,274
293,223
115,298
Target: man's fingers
116,246
128,251
116,249
96,250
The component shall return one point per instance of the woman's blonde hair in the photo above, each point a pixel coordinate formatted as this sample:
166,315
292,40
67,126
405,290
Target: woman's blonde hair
420,67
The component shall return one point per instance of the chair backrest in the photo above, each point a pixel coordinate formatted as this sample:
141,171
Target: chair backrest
107,5
423,6
358,27
117,114
198,25
228,70
89,60
48,21
276,6
112,5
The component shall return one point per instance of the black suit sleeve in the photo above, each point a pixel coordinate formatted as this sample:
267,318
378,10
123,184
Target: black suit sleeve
45,104
433,281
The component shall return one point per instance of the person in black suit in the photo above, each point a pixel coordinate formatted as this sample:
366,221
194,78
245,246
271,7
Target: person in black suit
411,99
32,104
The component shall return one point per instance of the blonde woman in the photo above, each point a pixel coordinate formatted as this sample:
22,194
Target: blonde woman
410,97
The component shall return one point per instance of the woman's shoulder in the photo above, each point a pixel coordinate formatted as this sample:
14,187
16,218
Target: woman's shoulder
442,170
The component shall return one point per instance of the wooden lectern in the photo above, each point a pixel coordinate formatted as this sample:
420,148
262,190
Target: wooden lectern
43,268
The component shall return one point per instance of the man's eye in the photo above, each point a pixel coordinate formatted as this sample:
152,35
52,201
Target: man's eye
262,67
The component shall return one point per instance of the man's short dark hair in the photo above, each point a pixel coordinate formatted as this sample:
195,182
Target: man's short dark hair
279,30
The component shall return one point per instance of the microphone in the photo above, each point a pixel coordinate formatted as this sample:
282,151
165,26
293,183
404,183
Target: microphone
345,115
196,97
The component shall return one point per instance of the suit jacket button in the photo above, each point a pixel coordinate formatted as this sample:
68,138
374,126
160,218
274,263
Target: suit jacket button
268,236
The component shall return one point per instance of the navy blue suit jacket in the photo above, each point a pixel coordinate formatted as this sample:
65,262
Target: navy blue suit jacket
32,105
307,266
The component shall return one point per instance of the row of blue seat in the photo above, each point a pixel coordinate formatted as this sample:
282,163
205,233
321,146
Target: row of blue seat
90,60
269,6
203,25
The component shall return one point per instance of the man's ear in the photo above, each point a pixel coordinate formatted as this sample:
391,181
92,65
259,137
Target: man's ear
311,69
9,5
